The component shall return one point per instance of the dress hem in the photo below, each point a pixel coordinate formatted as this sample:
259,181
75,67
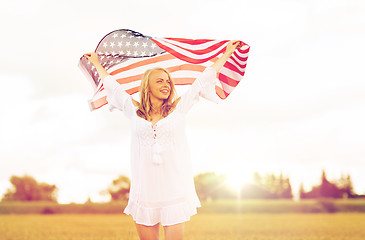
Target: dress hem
151,216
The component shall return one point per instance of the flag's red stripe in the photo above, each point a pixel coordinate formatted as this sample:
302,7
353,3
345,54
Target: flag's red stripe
130,79
184,81
143,63
229,81
133,90
222,94
98,103
100,89
190,41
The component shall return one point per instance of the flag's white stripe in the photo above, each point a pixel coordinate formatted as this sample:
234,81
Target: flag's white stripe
126,86
201,46
191,55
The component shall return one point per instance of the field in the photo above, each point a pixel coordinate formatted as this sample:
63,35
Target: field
218,206
247,226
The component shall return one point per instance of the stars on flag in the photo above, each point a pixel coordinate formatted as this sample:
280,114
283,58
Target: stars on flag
119,46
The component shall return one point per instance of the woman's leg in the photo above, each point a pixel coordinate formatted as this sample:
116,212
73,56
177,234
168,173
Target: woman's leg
174,232
148,232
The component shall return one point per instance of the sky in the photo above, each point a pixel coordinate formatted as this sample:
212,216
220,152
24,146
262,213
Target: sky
298,109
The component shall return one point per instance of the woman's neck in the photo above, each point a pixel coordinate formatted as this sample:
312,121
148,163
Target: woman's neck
156,105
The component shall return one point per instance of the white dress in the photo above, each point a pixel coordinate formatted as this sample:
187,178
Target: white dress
162,181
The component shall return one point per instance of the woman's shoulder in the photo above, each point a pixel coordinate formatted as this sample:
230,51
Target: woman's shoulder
176,102
135,103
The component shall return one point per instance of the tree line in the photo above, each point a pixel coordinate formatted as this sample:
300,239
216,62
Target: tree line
209,186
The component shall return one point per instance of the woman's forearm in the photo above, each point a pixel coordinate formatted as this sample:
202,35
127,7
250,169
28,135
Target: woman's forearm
102,72
221,61
94,60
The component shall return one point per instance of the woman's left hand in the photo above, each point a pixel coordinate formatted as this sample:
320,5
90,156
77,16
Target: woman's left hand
233,45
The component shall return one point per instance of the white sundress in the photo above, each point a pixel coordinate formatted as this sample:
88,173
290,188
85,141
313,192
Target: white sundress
162,181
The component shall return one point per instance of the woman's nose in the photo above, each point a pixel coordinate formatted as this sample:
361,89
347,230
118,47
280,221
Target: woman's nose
165,84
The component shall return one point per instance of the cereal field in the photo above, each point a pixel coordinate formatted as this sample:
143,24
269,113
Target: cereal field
339,226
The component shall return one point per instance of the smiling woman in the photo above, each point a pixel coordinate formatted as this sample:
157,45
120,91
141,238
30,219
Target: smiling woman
162,184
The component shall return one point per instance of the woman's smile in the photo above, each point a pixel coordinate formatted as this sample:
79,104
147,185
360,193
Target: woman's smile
165,91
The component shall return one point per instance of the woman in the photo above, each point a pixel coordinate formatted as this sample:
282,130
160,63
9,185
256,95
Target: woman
162,183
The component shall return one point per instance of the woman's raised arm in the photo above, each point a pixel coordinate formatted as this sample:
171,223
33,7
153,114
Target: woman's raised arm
231,47
110,87
93,59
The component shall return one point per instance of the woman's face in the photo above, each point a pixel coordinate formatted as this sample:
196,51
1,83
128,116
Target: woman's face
159,85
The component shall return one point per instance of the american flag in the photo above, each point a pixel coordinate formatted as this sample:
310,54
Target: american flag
127,54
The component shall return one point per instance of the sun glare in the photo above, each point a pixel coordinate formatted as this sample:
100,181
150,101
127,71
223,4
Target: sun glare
236,178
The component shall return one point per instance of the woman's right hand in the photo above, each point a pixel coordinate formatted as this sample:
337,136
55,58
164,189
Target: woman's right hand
92,57
94,60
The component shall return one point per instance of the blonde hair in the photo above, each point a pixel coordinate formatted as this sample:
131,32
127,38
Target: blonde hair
145,106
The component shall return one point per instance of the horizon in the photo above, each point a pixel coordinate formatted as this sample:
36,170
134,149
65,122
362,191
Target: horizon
235,183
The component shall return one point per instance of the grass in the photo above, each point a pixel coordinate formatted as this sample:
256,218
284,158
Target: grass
337,226
219,206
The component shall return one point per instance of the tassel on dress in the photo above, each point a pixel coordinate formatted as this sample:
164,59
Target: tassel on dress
157,159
